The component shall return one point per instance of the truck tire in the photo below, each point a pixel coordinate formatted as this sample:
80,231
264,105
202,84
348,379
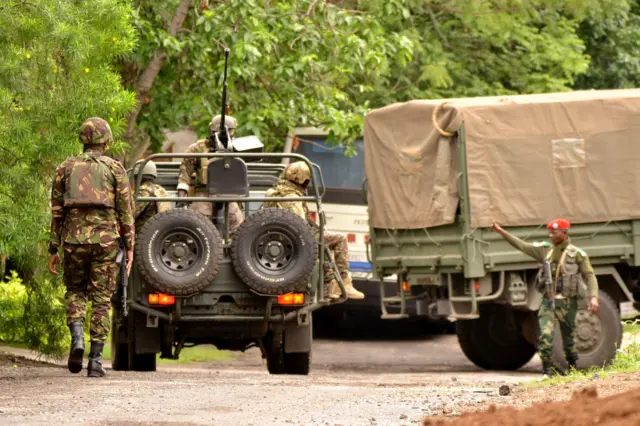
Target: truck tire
119,347
280,362
274,252
123,355
597,337
179,252
490,343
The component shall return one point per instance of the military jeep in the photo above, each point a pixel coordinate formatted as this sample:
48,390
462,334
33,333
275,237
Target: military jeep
193,283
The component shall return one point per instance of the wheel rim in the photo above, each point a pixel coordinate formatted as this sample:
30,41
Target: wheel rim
588,337
179,250
274,251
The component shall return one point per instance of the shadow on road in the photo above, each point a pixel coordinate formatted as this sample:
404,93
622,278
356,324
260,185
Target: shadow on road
355,327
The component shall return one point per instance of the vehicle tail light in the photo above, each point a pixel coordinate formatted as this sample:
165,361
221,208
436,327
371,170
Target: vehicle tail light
161,299
405,286
366,238
351,238
291,299
312,216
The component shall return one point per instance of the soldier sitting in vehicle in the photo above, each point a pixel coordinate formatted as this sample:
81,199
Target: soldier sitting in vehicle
144,210
199,165
294,182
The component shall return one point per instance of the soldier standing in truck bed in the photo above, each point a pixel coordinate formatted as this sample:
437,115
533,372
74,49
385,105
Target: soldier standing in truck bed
570,268
199,165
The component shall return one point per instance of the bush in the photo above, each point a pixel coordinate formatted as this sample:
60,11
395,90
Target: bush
13,298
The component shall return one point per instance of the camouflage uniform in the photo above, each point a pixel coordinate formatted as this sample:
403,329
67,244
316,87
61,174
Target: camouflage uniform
145,210
291,186
199,165
566,303
91,208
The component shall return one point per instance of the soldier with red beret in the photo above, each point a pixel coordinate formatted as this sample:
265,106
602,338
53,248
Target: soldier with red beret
570,268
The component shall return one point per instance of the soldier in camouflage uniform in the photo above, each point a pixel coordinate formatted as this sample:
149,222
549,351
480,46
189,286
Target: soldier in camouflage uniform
91,210
570,268
199,165
144,210
293,184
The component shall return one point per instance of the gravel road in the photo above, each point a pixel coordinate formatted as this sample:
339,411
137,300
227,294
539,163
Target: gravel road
365,382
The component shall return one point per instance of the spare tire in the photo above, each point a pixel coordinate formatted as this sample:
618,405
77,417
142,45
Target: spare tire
274,252
178,252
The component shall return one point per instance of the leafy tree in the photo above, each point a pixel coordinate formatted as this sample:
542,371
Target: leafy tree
613,45
55,71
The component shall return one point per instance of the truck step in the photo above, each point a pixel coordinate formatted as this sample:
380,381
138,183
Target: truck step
396,299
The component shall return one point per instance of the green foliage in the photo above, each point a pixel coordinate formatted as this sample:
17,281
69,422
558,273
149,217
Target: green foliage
614,47
55,71
13,297
326,63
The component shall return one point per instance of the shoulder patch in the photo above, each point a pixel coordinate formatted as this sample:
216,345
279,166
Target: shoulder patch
542,244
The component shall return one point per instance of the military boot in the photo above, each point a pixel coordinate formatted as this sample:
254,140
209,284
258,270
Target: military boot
572,363
351,290
547,368
94,369
74,363
333,289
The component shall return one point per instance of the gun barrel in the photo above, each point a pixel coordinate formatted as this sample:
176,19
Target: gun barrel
223,136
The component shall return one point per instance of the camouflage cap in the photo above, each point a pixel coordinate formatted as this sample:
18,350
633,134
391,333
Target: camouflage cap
229,121
95,131
297,172
148,169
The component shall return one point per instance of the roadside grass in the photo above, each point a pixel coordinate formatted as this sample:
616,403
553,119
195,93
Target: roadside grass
627,360
201,353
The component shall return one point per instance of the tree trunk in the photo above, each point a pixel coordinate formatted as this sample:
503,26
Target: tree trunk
139,142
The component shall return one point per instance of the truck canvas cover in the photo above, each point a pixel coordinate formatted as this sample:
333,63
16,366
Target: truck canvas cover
529,158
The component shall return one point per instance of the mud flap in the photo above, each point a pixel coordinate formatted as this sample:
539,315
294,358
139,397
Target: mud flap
298,338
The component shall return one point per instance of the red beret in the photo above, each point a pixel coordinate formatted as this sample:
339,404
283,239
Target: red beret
559,224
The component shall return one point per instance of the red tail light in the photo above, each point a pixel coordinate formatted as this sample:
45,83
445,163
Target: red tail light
312,215
161,299
366,239
351,238
291,299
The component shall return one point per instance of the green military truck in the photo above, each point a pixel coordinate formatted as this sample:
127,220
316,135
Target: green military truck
439,172
193,283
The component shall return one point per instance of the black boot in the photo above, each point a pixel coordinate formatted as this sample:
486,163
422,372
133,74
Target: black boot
94,368
74,364
547,368
572,363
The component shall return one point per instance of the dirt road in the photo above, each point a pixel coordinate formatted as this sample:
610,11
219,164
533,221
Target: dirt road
352,383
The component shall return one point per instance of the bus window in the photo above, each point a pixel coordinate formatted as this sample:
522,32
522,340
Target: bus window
342,175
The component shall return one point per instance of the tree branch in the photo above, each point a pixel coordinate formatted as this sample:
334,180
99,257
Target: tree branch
146,80
436,27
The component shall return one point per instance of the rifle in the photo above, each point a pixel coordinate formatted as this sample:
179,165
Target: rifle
121,259
222,137
548,282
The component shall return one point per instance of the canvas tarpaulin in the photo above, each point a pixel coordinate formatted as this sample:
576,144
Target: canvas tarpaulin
530,158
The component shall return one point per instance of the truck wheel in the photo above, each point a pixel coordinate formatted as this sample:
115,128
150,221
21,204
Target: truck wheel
280,362
119,347
123,355
597,337
495,340
274,251
179,252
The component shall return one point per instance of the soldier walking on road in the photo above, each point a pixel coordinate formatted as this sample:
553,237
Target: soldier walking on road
144,210
570,268
293,184
90,206
199,165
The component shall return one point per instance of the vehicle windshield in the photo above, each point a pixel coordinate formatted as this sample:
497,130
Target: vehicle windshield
342,175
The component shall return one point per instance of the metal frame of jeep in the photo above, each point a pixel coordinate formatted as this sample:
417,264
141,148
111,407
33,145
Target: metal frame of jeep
227,313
